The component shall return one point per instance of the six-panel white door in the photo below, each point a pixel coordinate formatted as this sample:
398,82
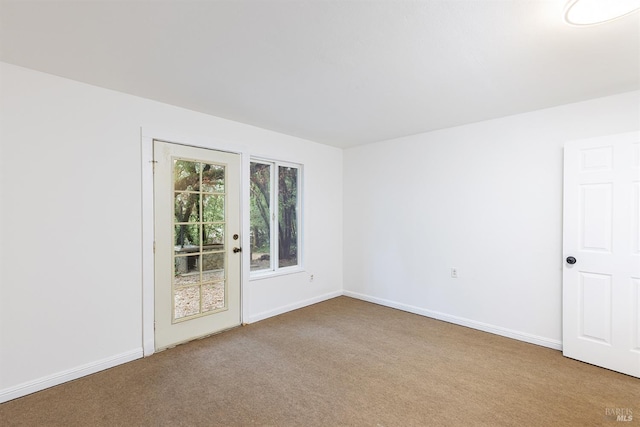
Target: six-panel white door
601,223
197,226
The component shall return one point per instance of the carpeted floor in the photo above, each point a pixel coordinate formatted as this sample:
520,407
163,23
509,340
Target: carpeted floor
342,362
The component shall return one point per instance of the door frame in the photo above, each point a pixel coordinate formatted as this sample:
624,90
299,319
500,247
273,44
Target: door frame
147,136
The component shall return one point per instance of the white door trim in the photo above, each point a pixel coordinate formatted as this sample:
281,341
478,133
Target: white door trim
147,135
148,275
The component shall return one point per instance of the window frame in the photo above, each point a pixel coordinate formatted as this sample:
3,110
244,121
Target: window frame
274,268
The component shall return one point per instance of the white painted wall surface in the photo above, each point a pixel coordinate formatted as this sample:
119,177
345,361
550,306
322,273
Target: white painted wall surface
71,225
485,198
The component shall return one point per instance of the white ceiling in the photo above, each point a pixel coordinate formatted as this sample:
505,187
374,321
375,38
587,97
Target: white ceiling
337,72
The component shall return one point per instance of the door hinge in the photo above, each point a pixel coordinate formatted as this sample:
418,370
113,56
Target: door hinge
154,246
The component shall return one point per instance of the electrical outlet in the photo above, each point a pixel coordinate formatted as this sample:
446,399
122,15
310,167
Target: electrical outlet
454,273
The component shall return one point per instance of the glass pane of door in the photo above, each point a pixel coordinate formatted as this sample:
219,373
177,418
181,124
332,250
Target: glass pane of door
199,280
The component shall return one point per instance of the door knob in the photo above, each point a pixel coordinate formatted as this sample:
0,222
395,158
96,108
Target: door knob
236,250
571,260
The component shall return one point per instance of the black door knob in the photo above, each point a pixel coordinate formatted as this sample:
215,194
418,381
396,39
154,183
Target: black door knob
571,260
236,250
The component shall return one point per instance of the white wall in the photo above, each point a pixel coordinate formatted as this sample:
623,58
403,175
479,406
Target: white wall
485,198
71,224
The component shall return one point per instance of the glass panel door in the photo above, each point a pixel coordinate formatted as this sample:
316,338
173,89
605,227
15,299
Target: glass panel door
197,275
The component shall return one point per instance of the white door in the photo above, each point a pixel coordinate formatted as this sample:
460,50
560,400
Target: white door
197,226
601,249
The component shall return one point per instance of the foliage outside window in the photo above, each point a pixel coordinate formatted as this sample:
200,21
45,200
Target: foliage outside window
275,216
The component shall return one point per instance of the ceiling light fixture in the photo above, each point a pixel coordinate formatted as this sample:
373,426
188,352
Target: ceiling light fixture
592,12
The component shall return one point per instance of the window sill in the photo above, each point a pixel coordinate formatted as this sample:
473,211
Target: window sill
269,274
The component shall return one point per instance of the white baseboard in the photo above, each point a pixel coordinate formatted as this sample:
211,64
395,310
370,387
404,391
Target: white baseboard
497,330
69,375
294,306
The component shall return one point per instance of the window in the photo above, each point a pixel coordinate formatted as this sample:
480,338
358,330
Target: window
275,216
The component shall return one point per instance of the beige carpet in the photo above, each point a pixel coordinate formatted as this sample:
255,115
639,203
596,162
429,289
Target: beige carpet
341,362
